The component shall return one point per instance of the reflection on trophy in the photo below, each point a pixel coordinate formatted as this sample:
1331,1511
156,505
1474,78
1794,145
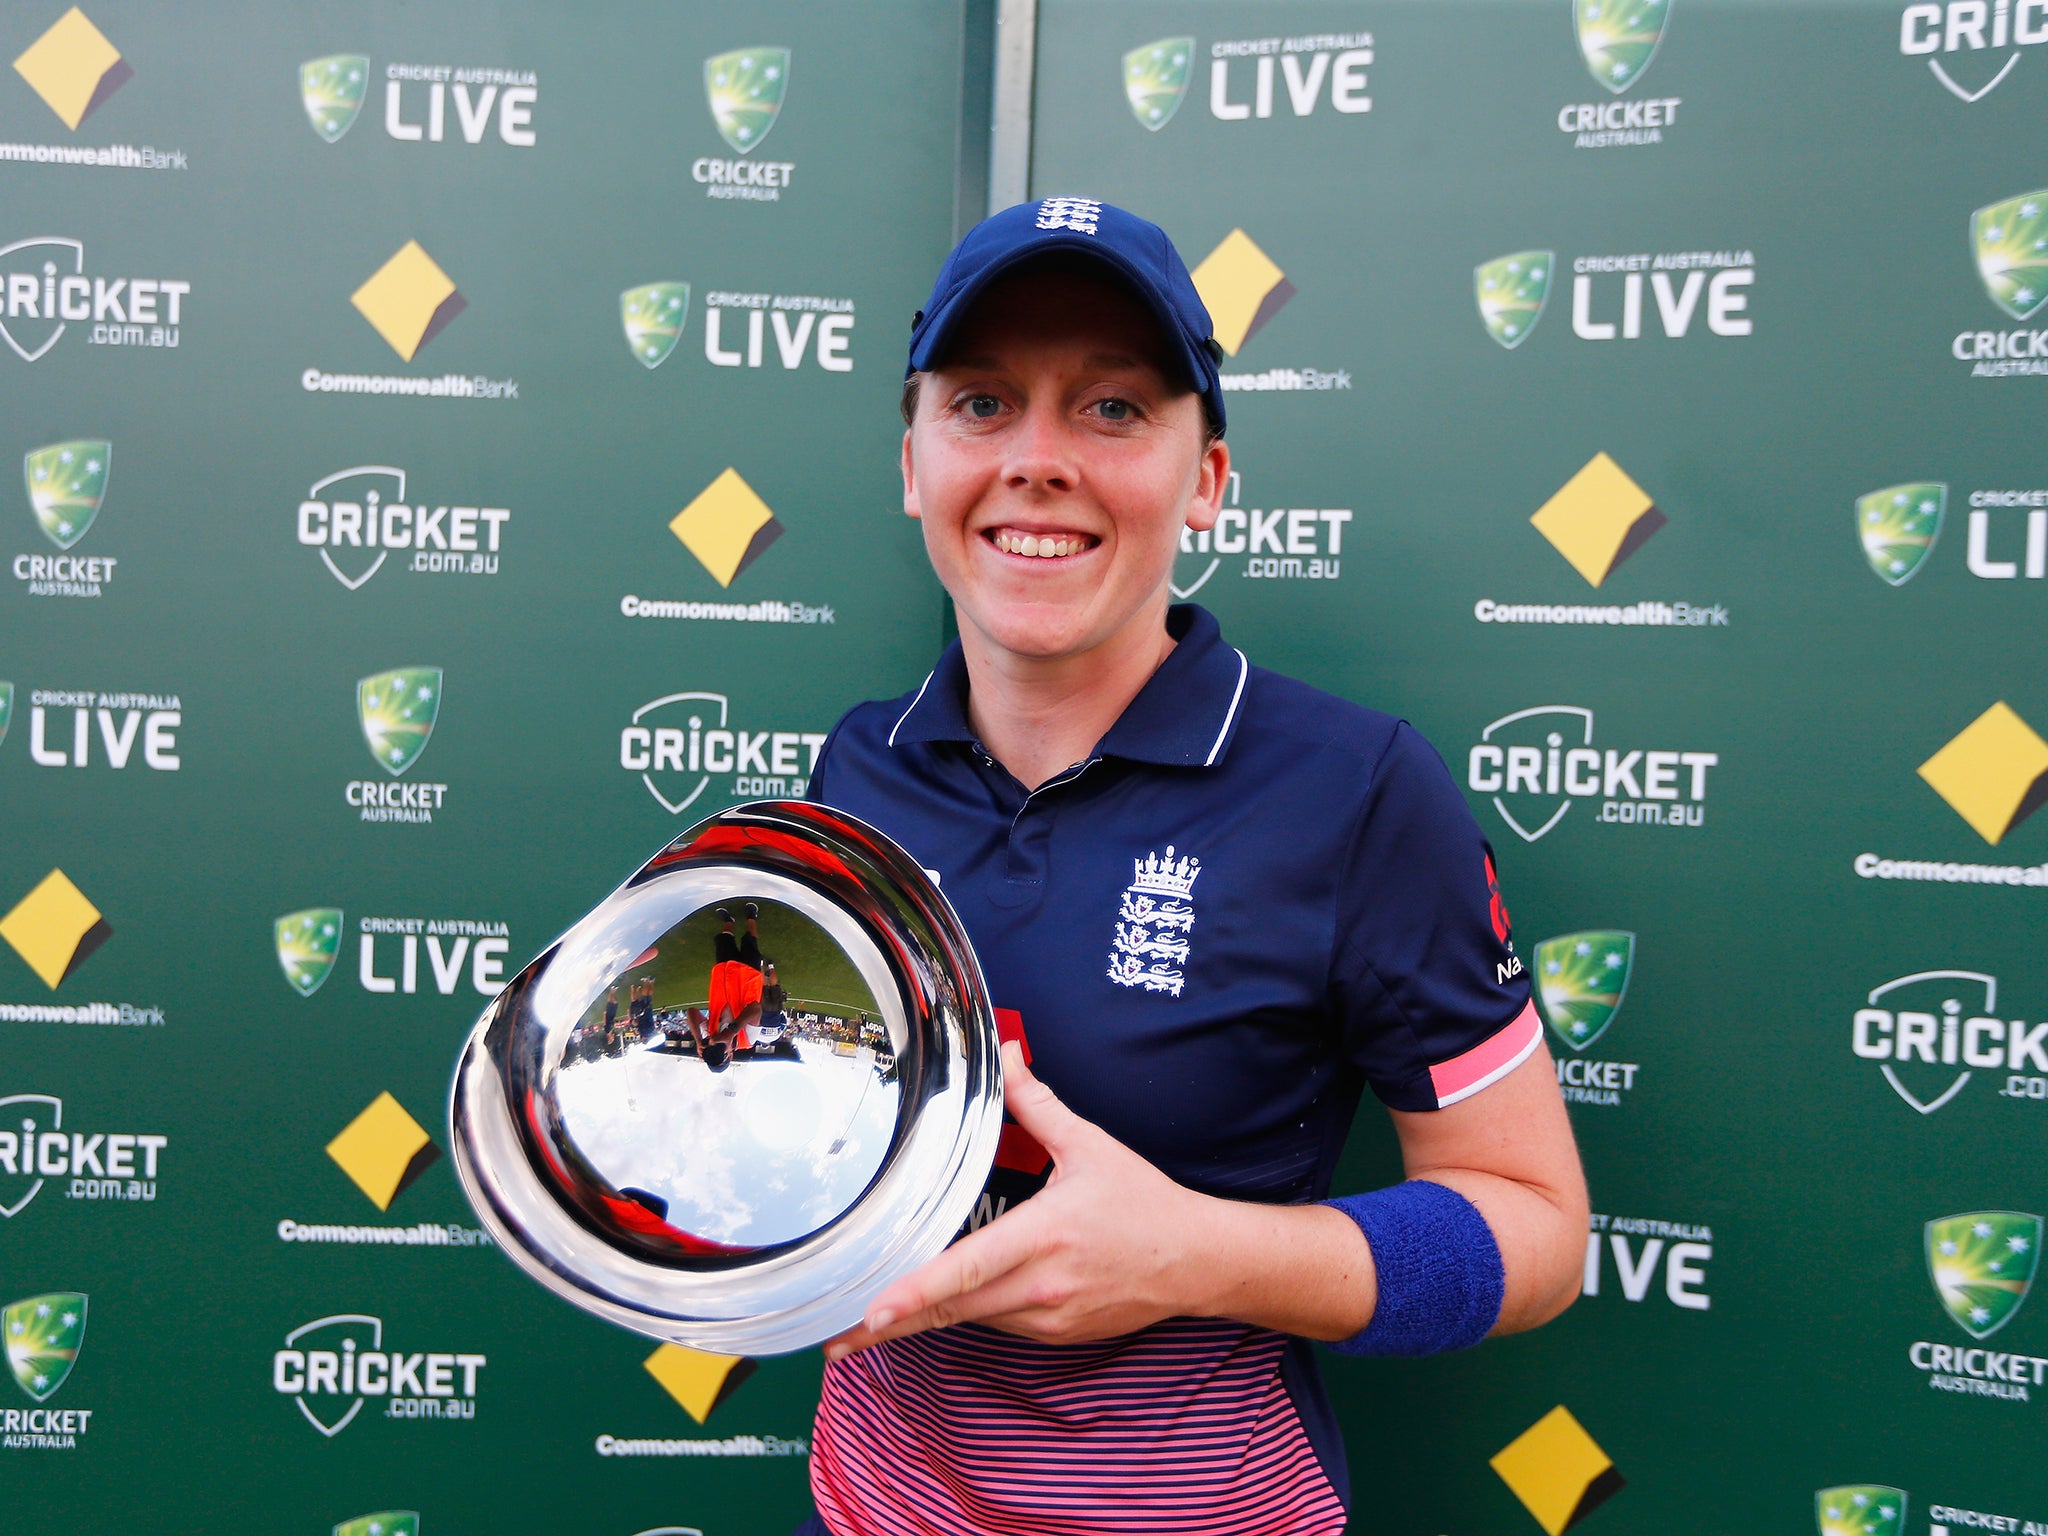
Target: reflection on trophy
755,1085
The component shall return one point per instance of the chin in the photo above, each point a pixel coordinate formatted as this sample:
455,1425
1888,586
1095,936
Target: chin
1040,631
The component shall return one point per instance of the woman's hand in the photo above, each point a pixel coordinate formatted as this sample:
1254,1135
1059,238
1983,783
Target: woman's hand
1110,1245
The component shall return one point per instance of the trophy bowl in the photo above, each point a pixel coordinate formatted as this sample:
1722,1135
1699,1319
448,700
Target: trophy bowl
756,1084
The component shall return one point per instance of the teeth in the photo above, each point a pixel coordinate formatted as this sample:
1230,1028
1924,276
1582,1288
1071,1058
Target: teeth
1039,546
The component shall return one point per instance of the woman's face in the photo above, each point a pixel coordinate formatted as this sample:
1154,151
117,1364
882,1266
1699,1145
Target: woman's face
1054,462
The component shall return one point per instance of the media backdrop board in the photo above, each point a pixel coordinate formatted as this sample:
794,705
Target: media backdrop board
360,355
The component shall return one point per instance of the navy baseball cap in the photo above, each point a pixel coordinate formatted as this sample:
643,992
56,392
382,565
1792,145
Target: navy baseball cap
1136,249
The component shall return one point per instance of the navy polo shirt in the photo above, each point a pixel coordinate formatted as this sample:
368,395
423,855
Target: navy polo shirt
1249,902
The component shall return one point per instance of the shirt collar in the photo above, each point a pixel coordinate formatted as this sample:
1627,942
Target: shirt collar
1184,716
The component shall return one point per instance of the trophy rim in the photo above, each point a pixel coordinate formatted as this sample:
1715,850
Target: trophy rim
788,1295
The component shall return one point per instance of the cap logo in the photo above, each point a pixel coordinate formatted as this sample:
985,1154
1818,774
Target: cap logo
1079,213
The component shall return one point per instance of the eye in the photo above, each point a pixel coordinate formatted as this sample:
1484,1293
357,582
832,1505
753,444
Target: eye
983,406
1114,409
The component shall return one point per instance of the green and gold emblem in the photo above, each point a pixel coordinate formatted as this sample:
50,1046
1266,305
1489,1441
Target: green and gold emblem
744,89
332,89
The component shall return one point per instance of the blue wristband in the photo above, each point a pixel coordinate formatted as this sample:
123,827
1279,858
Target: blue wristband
1440,1276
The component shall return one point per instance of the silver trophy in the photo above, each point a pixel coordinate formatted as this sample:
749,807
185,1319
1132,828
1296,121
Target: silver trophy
754,1086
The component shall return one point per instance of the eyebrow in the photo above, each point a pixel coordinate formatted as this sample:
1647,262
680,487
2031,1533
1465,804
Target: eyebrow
989,362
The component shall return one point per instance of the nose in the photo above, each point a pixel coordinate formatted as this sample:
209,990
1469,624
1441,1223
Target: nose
1040,453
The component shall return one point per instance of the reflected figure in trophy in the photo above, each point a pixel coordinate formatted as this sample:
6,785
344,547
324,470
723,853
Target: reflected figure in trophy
734,1005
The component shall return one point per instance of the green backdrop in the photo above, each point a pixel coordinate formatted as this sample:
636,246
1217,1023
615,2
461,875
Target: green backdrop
1750,706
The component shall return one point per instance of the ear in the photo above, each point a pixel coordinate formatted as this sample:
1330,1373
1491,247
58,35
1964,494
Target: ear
1211,477
910,502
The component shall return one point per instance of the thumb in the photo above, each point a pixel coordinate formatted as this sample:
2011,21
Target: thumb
1036,1107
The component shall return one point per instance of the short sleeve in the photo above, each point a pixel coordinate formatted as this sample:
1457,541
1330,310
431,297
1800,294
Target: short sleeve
1431,997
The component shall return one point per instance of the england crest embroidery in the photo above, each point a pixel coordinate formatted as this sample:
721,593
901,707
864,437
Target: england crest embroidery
1153,924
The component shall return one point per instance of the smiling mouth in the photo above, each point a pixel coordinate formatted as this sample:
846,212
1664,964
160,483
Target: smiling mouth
1041,546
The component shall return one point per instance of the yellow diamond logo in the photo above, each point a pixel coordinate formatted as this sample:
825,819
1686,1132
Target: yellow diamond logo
73,67
54,928
409,300
727,527
1994,775
1557,1471
698,1381
1243,288
1598,519
383,1149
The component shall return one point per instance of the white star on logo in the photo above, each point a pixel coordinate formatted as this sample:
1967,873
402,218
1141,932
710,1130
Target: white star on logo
1582,948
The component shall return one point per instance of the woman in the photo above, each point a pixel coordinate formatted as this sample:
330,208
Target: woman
1222,904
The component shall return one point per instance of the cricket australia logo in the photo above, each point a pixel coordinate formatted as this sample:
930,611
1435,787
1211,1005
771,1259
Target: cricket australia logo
1153,924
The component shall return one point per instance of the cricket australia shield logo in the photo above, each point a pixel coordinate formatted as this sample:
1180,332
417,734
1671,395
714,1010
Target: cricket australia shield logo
653,316
58,259
66,483
307,943
1898,526
2010,243
397,710
43,1336
1619,38
389,1522
1860,1509
1512,290
1580,981
1153,923
1156,79
1982,1263
744,89
24,1117
332,89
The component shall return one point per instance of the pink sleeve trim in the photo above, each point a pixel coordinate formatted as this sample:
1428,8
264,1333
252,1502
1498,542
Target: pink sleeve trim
1489,1061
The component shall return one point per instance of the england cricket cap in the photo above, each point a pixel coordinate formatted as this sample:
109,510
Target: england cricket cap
1136,249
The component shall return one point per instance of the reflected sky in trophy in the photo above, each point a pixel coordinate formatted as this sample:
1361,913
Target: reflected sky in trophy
734,1079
